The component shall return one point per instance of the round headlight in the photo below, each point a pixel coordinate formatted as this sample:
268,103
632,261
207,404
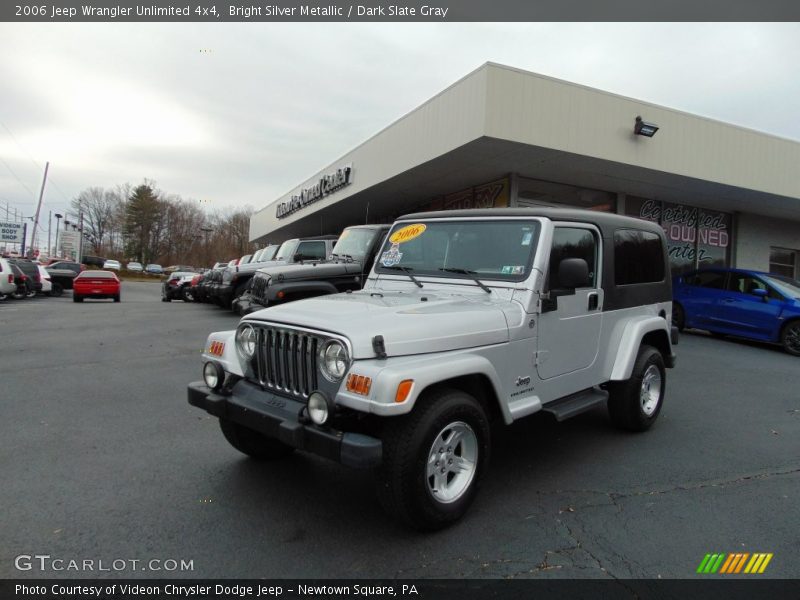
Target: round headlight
318,408
334,360
213,375
246,341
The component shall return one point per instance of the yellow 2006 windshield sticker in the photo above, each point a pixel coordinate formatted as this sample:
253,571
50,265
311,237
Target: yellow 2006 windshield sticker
408,233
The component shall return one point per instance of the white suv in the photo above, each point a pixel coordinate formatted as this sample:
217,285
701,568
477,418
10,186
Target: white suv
7,285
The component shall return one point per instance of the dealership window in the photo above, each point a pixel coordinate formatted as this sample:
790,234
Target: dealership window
783,261
532,193
696,237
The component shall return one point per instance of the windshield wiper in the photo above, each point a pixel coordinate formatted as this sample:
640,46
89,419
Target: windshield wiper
407,271
471,275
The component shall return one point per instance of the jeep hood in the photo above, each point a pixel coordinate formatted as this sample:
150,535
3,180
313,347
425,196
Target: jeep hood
310,270
408,324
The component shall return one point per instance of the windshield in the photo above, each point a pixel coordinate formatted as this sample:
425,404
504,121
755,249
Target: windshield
268,253
286,251
490,249
354,242
785,285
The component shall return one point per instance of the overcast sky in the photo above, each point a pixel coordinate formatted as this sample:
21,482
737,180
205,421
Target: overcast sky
264,106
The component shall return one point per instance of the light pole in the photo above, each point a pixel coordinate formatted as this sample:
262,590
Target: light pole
206,230
58,217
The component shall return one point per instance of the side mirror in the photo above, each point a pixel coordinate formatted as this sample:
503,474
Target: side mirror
298,257
759,293
573,273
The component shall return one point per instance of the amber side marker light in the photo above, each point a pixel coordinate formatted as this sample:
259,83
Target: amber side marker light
359,384
403,390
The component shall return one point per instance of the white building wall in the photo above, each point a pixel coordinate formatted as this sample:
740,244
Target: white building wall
756,234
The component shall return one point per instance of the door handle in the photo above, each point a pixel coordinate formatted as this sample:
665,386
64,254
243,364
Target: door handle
593,301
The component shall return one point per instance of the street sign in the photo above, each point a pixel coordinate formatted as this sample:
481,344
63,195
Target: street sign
11,232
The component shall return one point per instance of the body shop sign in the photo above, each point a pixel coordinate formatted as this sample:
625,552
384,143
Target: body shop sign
323,187
11,232
692,233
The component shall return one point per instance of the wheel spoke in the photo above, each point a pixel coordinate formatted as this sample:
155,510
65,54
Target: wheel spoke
454,437
461,464
432,464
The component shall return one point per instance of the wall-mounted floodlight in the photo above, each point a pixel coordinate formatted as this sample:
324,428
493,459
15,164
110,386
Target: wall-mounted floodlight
644,128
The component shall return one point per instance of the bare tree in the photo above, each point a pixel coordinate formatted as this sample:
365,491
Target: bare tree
98,211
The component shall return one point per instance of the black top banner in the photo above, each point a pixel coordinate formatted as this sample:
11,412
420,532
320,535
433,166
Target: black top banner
401,11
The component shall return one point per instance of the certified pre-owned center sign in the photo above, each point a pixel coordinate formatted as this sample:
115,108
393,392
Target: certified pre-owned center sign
325,186
10,232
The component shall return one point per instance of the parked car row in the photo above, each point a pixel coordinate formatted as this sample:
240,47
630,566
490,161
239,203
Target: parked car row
298,268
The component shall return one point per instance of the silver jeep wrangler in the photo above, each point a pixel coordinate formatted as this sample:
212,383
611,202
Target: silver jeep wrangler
467,316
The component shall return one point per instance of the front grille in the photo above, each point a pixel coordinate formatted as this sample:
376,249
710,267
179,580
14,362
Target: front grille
286,360
260,289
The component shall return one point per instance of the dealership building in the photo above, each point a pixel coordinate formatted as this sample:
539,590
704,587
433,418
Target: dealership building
502,137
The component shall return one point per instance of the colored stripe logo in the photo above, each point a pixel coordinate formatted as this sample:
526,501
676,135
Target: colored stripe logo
734,563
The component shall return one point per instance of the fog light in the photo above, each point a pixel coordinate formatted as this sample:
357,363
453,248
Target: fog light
213,375
319,408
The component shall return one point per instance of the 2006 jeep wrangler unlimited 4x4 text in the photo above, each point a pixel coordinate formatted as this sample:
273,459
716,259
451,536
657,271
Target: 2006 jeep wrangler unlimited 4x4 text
466,316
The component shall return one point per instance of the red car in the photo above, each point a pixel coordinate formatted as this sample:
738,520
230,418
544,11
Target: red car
95,284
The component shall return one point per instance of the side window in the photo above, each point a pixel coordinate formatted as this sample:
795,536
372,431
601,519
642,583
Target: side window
572,242
638,257
747,284
312,250
708,279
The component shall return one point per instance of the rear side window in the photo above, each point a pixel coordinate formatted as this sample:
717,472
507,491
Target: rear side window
638,257
708,279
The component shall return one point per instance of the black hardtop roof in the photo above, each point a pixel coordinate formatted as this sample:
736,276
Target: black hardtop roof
370,226
605,221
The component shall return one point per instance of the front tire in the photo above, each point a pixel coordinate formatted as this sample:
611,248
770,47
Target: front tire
434,459
253,443
790,338
635,404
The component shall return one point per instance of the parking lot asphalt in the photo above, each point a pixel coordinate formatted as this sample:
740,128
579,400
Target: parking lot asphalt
103,459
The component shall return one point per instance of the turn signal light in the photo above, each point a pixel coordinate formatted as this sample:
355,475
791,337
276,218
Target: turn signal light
403,390
359,384
217,348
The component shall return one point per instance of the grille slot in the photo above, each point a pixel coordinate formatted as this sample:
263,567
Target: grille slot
259,289
286,360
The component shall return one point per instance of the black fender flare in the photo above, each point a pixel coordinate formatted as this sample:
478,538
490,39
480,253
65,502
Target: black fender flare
299,287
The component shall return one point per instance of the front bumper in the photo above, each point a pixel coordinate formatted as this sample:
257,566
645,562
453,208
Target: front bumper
279,418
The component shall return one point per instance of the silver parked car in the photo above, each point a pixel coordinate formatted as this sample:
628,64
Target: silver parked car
466,317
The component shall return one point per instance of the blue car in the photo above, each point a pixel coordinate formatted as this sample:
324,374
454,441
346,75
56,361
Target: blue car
749,304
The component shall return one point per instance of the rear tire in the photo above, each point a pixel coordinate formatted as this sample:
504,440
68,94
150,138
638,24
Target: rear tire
678,316
635,404
434,459
117,298
256,445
